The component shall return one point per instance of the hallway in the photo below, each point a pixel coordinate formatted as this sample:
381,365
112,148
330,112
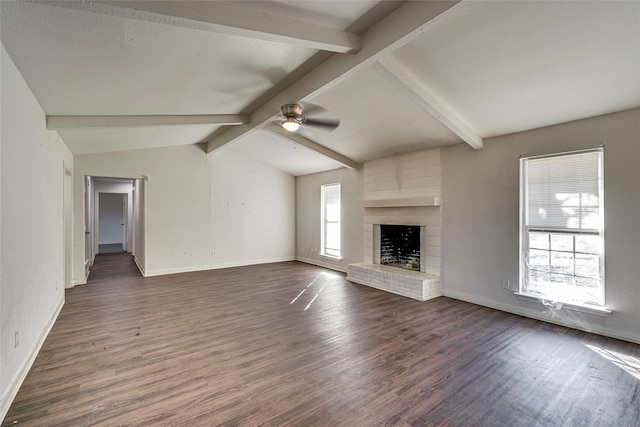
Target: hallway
113,266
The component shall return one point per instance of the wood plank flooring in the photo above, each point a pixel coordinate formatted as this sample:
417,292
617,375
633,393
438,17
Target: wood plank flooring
289,344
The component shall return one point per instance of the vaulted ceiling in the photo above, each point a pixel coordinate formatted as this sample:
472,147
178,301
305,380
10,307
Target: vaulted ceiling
401,76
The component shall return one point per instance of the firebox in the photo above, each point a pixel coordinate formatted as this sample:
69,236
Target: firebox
400,246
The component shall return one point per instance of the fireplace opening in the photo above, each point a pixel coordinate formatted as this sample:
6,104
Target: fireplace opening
400,246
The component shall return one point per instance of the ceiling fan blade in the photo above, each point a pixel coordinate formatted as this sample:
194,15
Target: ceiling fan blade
310,109
329,124
304,131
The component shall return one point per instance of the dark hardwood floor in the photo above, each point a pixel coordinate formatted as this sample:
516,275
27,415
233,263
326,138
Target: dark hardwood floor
290,344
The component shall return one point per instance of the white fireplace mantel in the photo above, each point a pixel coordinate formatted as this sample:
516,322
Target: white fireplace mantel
402,202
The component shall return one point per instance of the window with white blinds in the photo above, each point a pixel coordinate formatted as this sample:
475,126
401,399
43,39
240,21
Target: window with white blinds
562,227
330,209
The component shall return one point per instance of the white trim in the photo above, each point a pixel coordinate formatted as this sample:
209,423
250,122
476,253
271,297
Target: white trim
583,308
135,259
427,201
78,283
322,264
176,270
632,336
331,257
84,281
17,380
563,153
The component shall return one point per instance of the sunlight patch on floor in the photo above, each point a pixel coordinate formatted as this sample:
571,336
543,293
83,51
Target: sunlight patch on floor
327,278
626,362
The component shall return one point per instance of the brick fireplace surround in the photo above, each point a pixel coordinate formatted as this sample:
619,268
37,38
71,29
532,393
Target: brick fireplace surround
402,190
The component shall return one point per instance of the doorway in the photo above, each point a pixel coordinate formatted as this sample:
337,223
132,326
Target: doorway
112,223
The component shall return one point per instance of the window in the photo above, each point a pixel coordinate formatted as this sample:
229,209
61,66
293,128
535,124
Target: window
330,202
561,233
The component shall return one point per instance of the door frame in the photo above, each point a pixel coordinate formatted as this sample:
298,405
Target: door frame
67,224
96,226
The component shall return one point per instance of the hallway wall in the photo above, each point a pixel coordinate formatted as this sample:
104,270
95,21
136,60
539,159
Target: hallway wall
32,228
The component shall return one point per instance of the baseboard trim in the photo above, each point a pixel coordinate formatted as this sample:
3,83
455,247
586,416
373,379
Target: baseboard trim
140,267
177,270
534,314
16,382
76,282
323,264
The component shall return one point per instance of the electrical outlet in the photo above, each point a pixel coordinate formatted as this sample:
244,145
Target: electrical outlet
16,337
505,284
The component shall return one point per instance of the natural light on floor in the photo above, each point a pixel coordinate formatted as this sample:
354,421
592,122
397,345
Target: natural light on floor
630,364
323,279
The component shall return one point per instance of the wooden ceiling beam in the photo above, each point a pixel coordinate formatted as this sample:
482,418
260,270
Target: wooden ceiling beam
62,122
224,18
401,26
312,145
404,79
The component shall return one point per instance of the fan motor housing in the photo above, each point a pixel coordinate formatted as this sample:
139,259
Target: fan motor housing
291,110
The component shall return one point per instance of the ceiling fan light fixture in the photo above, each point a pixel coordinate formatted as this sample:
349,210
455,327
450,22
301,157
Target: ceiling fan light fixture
291,124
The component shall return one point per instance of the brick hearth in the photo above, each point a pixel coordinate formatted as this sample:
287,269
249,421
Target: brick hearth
412,284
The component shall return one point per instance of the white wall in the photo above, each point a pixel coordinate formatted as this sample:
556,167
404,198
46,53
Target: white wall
32,250
308,217
481,214
252,211
202,212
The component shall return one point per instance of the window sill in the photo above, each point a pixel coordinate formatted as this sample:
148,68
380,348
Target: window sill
331,257
583,308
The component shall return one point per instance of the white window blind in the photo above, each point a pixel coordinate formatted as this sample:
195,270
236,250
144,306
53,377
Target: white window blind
564,191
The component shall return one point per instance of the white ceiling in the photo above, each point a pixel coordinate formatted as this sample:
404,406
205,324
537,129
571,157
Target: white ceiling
480,69
513,66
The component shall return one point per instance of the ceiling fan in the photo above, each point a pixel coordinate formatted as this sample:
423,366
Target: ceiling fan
292,118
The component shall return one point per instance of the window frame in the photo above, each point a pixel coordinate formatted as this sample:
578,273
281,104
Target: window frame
525,230
335,253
